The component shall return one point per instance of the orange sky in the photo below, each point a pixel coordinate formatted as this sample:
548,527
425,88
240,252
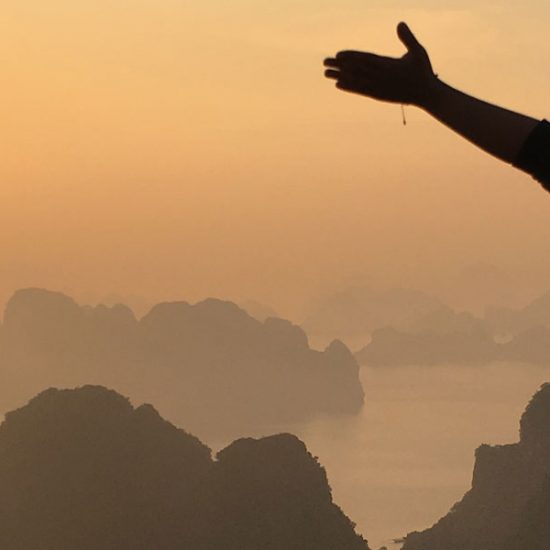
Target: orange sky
186,149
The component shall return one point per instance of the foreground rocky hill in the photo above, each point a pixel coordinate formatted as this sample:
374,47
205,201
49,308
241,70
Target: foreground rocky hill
84,469
508,506
195,362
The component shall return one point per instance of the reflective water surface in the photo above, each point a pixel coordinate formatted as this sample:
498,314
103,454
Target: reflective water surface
408,457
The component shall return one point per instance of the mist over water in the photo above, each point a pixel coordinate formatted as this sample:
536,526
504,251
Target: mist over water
396,460
407,458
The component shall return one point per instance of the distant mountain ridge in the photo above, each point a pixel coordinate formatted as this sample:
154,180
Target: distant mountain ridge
444,336
84,469
210,365
510,322
352,314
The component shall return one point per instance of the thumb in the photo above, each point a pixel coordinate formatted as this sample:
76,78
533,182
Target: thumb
407,37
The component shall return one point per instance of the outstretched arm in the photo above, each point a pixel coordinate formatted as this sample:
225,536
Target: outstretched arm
498,131
411,80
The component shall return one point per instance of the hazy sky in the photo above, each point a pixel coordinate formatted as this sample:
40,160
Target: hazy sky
192,148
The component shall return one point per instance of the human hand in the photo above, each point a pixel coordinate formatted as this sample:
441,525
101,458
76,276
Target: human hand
409,79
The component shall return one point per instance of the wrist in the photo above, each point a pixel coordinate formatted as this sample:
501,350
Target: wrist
432,95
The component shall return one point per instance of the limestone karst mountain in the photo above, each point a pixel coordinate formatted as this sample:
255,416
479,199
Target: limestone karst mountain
85,469
442,338
209,365
352,314
390,346
530,346
508,505
509,322
445,320
258,310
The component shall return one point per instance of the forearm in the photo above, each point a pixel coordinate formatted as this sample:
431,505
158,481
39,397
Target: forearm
498,131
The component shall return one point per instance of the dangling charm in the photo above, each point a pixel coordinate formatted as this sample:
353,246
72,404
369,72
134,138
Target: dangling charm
403,115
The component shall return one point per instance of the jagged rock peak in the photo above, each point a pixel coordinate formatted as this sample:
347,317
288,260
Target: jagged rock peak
210,308
535,422
338,350
56,413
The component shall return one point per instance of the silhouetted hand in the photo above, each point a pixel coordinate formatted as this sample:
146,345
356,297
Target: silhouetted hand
408,79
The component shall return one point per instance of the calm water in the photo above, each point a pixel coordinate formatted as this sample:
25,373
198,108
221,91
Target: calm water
401,464
408,457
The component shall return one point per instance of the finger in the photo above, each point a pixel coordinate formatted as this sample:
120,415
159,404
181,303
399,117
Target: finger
352,55
350,84
330,62
347,86
347,54
359,88
407,37
359,70
360,61
332,74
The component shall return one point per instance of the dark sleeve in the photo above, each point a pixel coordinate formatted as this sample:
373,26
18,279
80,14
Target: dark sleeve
534,156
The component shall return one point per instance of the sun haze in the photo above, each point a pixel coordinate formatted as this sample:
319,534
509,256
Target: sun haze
192,149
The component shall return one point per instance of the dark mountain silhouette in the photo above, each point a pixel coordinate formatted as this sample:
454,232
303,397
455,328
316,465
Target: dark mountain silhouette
533,532
210,365
84,469
353,314
508,505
